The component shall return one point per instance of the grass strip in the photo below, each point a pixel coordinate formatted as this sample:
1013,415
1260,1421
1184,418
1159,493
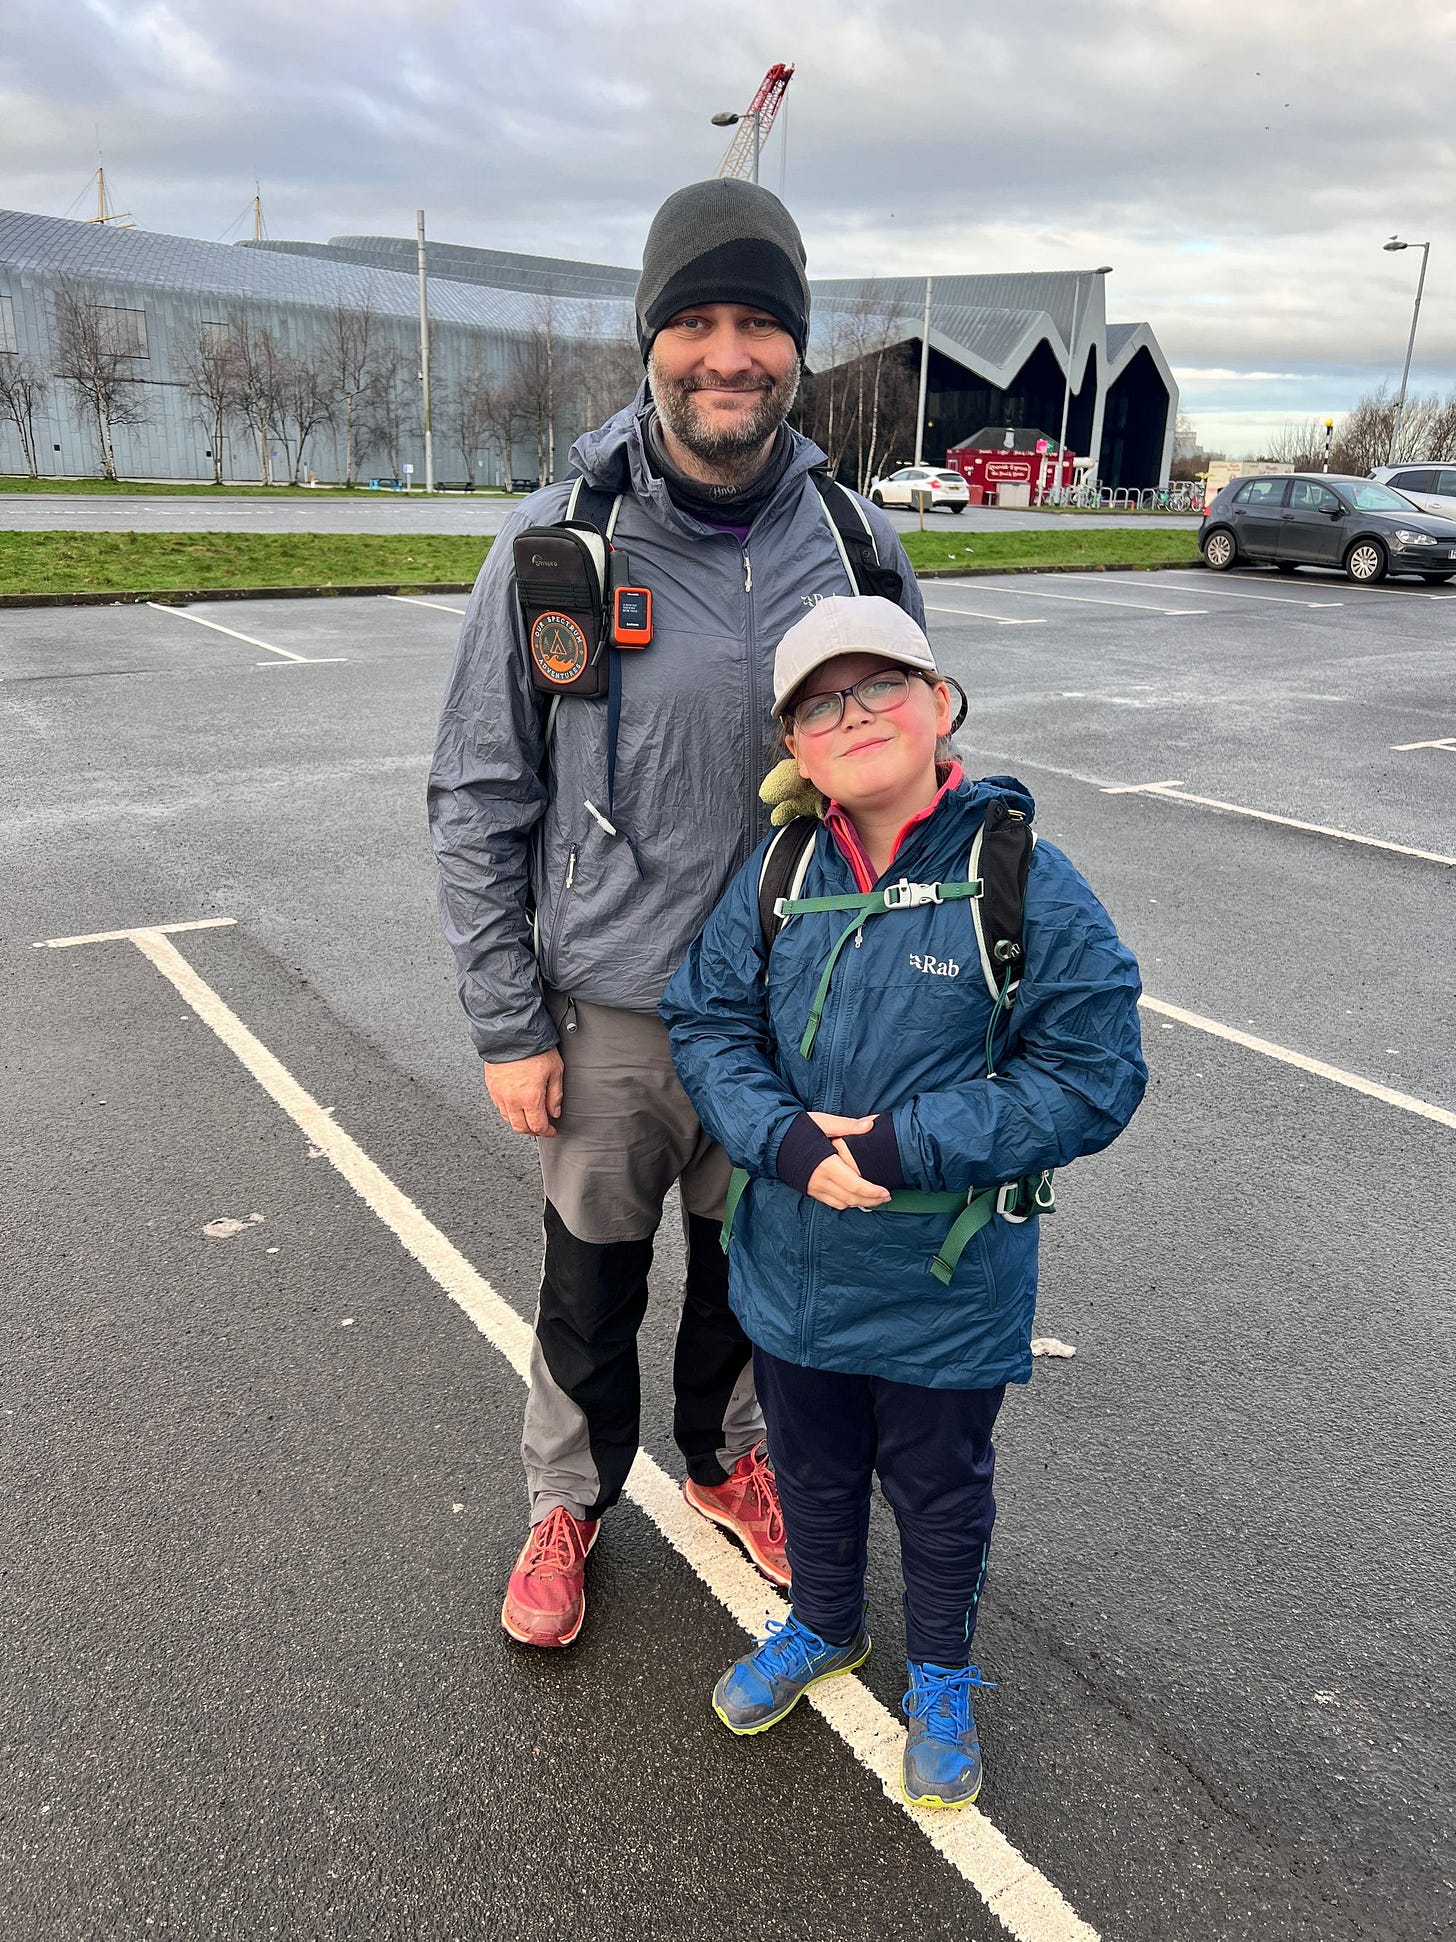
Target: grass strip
66,562
966,550
200,489
122,562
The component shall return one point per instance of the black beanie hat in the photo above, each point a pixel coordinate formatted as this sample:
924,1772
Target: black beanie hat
723,242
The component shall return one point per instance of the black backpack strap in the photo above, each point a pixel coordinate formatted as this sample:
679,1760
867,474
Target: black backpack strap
1000,858
590,506
855,539
785,865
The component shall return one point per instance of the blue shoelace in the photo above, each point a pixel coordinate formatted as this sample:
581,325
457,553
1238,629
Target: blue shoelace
941,1696
788,1647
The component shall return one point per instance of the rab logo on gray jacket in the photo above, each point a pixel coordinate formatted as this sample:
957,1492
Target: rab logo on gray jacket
936,967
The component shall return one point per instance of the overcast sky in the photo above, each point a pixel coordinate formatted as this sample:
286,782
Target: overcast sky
1239,164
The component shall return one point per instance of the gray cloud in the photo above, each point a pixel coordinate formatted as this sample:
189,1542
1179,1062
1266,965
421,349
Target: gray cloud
1239,166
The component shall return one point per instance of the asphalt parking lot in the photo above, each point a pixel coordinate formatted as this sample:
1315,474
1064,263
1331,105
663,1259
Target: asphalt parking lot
270,1262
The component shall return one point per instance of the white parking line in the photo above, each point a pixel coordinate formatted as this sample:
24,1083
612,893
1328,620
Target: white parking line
414,600
1023,1900
1077,599
1372,1088
158,930
974,613
1401,593
181,613
1173,792
1404,748
1348,586
1227,593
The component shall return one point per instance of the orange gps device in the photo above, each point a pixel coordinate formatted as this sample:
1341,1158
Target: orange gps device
632,616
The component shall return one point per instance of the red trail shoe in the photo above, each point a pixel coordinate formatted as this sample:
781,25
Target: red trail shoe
546,1596
748,1506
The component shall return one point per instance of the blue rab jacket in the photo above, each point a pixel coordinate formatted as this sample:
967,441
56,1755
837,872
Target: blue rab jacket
903,1033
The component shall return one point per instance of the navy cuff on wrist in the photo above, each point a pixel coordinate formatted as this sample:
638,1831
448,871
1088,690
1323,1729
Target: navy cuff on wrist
801,1150
877,1153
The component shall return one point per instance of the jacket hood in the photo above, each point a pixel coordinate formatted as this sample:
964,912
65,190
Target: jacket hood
978,794
614,459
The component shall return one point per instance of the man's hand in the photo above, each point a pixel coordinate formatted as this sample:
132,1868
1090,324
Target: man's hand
838,1182
527,1092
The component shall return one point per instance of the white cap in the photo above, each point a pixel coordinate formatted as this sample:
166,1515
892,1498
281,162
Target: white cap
845,625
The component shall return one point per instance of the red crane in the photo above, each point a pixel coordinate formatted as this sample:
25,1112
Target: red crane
753,125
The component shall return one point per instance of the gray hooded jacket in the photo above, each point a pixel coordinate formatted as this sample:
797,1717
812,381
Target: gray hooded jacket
509,817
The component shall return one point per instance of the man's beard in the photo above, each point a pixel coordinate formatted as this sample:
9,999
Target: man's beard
734,451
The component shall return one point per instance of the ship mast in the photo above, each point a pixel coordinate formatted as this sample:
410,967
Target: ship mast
104,212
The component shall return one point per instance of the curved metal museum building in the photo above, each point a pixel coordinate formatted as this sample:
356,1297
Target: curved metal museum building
1000,349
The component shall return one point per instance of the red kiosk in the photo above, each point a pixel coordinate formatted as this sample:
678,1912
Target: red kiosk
998,456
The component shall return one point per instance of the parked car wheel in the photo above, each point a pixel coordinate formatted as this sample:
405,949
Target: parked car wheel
1437,579
877,498
1366,562
1220,550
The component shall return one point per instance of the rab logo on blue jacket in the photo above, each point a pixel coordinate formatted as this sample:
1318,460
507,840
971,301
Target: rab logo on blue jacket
936,967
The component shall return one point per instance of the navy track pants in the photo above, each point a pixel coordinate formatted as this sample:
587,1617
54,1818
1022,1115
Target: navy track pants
828,1434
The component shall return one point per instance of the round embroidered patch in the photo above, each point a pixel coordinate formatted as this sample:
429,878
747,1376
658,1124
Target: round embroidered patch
558,647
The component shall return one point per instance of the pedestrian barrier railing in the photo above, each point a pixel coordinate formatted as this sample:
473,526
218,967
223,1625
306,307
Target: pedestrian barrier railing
1180,497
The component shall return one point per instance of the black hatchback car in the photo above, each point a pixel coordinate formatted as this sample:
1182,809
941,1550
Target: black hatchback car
1318,519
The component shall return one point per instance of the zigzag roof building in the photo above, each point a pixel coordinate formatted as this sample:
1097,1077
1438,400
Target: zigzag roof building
1000,345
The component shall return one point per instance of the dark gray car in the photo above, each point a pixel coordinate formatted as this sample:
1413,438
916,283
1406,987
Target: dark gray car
1287,520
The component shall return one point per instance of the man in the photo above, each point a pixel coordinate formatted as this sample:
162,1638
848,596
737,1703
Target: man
579,856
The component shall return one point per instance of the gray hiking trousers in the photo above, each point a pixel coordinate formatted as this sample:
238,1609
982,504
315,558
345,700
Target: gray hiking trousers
627,1133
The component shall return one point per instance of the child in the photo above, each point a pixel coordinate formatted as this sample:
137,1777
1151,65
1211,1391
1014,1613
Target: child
866,1361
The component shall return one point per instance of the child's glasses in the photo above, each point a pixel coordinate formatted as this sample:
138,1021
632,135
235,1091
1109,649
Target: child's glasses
879,693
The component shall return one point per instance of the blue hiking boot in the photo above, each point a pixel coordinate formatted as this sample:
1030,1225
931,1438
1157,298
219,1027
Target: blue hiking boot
768,1682
942,1762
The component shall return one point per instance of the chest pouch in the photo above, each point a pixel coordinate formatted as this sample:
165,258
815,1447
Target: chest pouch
563,582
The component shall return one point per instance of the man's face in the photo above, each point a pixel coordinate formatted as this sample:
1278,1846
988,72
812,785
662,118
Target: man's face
723,377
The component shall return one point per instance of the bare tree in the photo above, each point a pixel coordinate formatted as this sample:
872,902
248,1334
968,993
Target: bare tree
304,402
1442,433
1362,439
386,406
858,405
261,360
350,336
606,367
1427,431
545,383
96,355
1300,445
23,386
212,374
475,414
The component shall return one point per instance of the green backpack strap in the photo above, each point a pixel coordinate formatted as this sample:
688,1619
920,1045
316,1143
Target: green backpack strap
995,888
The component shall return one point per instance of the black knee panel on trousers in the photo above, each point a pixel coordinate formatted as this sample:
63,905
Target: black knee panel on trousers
593,1298
711,1356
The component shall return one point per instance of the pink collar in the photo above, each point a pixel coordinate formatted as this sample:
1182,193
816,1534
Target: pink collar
840,827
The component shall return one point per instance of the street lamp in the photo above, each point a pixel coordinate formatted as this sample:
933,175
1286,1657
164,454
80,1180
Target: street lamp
1425,250
730,120
1103,269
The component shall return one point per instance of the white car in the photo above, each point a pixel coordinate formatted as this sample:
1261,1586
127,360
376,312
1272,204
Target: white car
947,489
1431,487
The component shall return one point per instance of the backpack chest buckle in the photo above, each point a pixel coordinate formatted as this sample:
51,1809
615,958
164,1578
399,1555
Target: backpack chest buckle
905,895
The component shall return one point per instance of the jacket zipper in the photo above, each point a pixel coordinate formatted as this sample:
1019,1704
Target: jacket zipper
826,1049
751,719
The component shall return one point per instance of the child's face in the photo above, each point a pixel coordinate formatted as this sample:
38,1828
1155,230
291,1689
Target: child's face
872,758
